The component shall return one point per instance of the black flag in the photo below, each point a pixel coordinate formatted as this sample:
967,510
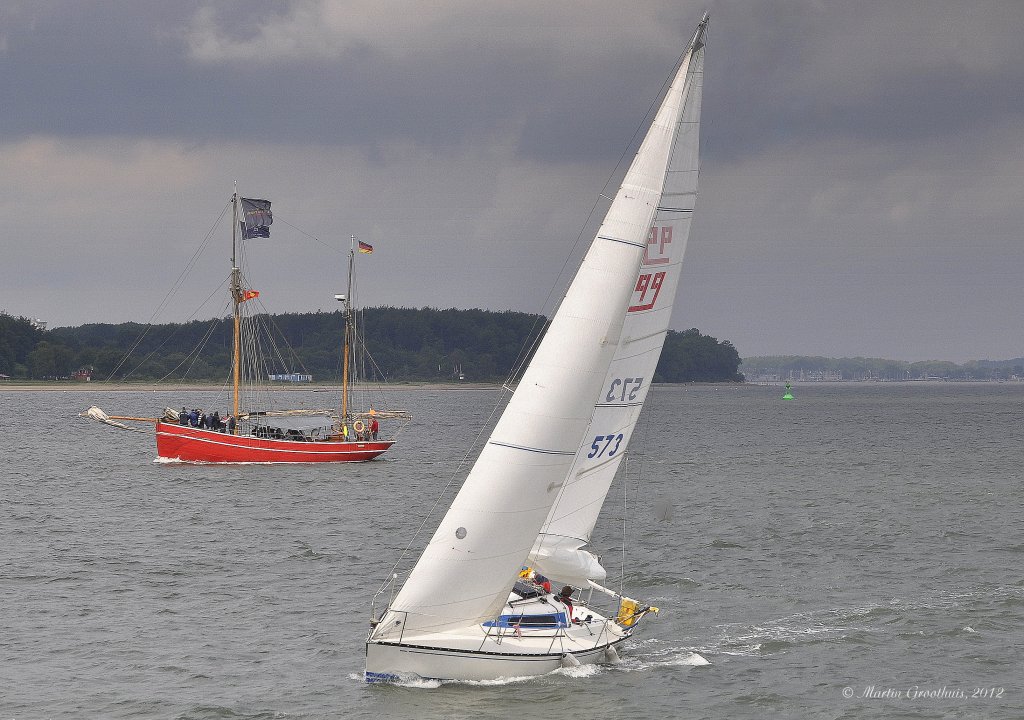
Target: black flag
257,218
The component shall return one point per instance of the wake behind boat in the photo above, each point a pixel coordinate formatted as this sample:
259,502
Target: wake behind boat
478,604
251,430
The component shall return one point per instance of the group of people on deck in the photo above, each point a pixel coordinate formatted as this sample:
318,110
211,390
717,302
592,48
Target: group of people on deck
211,421
361,432
565,595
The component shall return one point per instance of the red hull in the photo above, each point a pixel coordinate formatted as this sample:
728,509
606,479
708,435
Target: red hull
181,442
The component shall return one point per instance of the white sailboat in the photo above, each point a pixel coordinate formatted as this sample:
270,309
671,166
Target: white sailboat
468,610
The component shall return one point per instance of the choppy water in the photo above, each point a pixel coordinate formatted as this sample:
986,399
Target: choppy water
863,539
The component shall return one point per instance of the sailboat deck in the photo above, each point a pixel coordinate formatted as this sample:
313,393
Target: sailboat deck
506,647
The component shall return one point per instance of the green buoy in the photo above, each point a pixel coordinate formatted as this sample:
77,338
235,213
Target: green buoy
788,395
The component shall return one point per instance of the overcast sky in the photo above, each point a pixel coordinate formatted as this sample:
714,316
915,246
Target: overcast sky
861,189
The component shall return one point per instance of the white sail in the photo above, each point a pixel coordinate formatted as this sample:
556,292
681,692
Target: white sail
469,566
557,552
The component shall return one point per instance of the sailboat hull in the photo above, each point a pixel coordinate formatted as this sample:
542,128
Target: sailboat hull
534,635
189,444
398,662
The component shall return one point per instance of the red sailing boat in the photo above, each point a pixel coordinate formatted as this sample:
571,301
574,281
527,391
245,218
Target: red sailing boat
267,435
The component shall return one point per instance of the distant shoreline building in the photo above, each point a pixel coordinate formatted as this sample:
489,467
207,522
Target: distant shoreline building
797,376
291,377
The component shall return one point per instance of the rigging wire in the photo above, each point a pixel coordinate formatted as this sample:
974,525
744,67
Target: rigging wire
175,286
195,353
177,328
528,348
634,468
314,238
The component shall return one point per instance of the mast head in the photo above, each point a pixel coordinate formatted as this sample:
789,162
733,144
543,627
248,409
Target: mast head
698,37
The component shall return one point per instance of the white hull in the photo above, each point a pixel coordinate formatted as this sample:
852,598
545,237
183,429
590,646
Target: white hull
393,662
516,645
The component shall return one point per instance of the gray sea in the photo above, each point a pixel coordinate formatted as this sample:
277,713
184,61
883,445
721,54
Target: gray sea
857,552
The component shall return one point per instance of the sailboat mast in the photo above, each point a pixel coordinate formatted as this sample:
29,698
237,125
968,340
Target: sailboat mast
346,351
236,296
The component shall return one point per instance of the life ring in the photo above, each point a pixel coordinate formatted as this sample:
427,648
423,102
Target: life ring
358,426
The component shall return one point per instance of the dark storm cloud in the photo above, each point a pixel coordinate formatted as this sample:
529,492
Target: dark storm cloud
97,69
791,72
879,72
794,71
860,160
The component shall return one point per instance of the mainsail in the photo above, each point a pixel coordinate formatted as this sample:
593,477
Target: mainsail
571,521
470,564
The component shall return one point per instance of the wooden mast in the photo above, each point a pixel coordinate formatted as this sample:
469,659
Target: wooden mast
346,350
236,298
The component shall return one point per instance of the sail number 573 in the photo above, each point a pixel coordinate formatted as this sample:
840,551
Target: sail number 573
605,445
623,389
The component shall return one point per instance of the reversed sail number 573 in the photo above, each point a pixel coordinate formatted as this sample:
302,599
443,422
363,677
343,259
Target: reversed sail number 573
598,450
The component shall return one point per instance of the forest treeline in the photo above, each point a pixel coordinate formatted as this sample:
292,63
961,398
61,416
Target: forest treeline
403,344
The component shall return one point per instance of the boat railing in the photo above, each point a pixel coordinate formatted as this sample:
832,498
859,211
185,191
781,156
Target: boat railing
375,625
392,583
404,621
498,633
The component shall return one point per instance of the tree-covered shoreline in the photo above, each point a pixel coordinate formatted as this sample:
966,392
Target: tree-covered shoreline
412,345
404,345
825,369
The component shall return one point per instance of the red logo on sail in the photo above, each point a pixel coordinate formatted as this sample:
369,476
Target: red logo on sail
649,286
657,252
